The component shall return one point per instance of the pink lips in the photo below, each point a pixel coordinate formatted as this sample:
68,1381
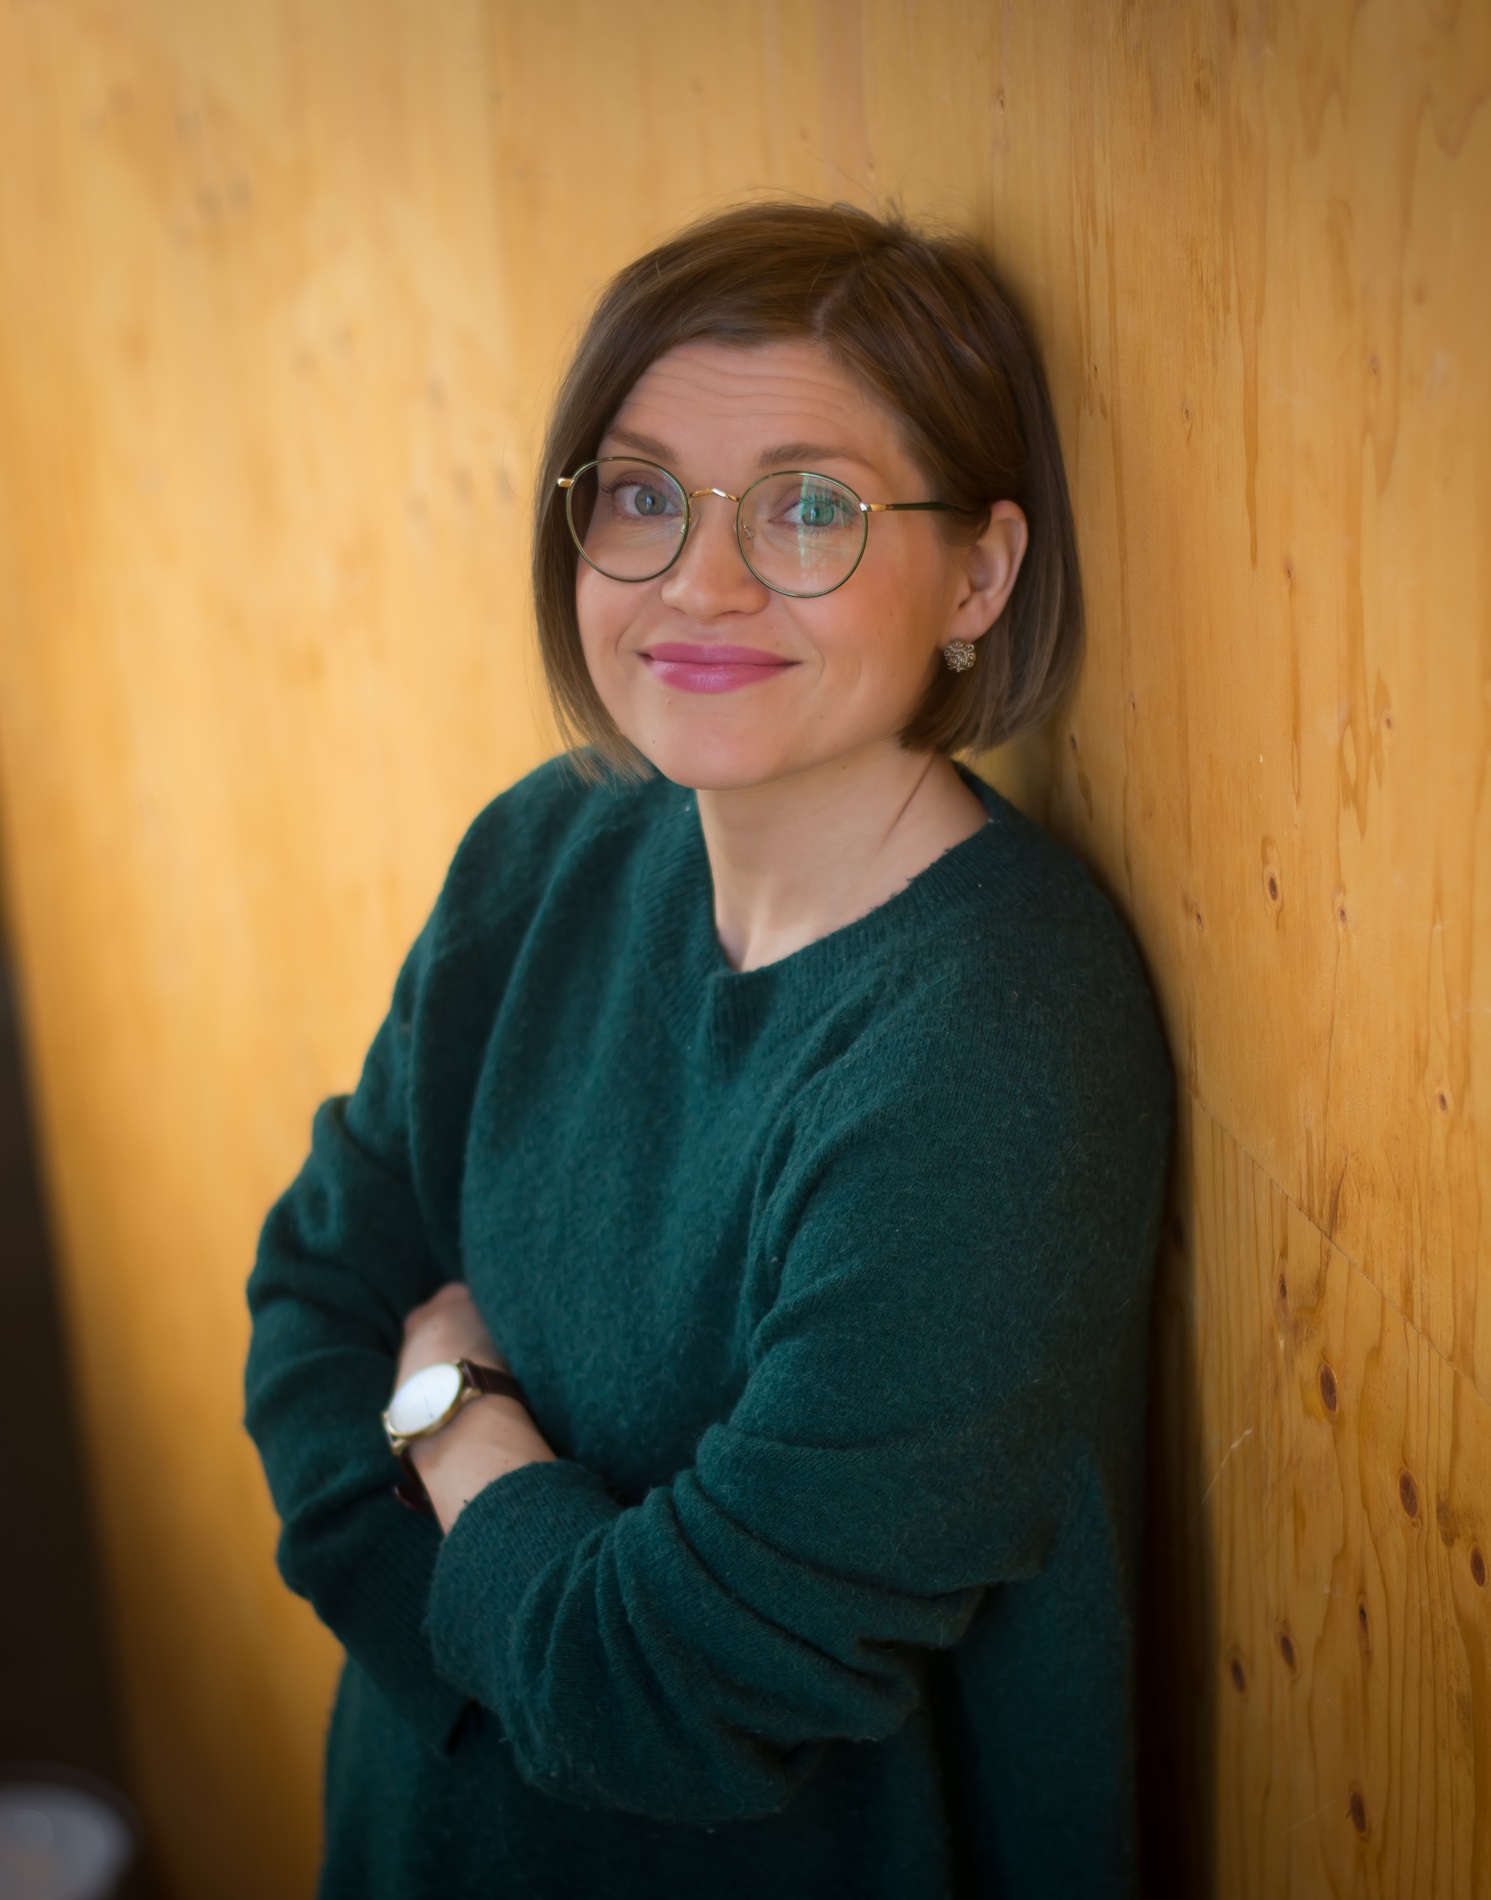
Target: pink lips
711,669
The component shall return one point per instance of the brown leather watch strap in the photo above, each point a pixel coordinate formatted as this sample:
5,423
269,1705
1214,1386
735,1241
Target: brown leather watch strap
489,1379
410,1488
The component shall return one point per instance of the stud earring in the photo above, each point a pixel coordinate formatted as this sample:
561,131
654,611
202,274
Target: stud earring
960,655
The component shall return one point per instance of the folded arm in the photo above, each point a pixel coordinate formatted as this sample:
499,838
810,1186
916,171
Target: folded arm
898,1448
343,1256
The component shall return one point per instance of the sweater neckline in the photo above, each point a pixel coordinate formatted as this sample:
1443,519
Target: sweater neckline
697,990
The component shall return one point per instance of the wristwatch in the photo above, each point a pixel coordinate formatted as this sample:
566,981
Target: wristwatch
426,1402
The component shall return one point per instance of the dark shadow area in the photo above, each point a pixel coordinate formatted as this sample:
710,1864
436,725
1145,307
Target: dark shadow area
56,1679
1177,1742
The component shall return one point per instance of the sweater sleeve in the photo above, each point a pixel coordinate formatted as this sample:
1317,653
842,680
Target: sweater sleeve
343,1256
902,1443
367,1231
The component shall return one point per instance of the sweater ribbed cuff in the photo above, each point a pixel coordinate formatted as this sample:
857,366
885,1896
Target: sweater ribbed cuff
500,1543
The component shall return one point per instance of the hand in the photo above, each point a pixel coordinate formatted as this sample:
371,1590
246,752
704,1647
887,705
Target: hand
447,1326
490,1435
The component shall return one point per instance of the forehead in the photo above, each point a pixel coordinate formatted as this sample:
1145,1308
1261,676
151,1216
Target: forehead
786,392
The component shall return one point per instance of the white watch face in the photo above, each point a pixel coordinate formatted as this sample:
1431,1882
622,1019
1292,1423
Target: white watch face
423,1400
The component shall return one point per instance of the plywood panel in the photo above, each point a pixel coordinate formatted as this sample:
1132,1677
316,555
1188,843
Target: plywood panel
1328,1500
1278,753
283,294
259,664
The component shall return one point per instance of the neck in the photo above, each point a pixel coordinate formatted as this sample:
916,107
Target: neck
798,857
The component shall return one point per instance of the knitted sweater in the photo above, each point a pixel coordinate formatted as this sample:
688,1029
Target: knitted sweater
828,1284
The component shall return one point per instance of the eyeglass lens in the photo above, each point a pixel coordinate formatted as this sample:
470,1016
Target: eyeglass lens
799,533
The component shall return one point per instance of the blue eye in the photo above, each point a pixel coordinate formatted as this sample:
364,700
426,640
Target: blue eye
819,508
636,500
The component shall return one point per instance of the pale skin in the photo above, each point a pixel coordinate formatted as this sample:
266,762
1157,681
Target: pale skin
812,812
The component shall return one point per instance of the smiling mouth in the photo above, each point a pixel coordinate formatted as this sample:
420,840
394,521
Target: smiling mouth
712,669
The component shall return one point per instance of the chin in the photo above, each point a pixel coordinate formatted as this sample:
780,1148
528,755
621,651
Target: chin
716,761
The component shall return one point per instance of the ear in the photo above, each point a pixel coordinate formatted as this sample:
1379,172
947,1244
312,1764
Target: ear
990,567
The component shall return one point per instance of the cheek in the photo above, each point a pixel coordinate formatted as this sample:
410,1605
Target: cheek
604,611
590,605
879,632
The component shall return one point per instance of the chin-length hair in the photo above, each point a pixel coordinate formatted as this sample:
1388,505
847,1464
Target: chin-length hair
924,323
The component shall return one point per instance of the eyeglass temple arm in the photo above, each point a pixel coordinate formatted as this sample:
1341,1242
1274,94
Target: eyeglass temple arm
905,507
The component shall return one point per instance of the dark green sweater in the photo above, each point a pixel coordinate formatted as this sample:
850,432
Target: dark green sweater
828,1283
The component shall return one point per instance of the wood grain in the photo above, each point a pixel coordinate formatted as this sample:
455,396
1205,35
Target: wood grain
283,296
1275,322
1332,1518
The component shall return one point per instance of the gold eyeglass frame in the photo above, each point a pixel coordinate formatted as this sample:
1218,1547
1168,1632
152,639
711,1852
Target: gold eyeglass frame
866,509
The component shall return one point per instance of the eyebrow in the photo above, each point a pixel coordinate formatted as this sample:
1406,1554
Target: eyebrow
801,454
783,455
643,444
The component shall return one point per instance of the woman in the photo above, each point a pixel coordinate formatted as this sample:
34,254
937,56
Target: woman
786,1117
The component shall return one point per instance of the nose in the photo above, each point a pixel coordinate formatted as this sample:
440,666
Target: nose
709,577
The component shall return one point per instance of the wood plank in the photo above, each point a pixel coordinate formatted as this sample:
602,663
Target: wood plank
1266,326
1327,1496
253,685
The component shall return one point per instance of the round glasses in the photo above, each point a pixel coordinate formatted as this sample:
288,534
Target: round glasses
799,533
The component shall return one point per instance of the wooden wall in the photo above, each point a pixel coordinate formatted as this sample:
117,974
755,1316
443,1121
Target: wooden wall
283,292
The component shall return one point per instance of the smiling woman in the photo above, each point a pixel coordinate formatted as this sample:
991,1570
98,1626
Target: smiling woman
742,1229
664,596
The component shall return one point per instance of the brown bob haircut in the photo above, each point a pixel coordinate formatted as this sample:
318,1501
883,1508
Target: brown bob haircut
925,324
